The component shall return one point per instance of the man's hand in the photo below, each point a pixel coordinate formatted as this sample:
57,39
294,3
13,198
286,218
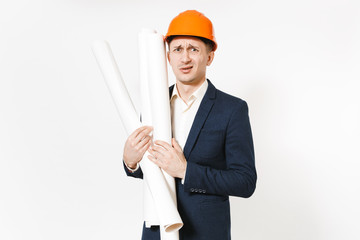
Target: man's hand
169,158
136,145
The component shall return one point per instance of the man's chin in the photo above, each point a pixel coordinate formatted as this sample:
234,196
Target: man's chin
194,82
186,81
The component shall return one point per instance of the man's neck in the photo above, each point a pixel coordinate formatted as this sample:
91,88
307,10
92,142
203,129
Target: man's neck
185,90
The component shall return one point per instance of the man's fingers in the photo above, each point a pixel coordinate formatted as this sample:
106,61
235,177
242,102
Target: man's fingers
176,145
158,149
144,141
155,160
145,147
141,135
163,144
151,152
137,131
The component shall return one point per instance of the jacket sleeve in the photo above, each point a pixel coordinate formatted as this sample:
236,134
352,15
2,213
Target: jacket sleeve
137,174
239,177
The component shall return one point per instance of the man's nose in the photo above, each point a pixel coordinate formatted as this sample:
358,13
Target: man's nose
185,57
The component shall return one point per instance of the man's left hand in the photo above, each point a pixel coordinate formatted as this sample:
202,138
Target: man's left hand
169,158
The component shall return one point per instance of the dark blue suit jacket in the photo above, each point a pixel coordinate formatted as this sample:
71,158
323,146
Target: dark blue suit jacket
220,163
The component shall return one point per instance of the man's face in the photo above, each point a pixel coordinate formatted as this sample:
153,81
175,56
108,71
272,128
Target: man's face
189,57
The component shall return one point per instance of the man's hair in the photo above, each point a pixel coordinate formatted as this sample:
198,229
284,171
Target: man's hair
209,44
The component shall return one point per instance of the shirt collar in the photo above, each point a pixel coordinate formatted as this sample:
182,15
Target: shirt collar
198,94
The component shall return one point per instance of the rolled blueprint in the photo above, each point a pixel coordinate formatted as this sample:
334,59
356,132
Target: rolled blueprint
153,71
144,76
159,97
159,88
163,198
160,106
156,70
116,85
150,215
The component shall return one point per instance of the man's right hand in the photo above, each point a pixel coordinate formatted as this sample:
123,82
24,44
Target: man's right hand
136,145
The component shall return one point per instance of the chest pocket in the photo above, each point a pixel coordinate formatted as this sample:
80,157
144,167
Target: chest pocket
209,144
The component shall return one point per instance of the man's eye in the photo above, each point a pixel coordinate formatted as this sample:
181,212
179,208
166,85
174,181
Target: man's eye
177,49
194,50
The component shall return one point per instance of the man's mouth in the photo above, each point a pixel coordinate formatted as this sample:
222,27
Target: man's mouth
186,69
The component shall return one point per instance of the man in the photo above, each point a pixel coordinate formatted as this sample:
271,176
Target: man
212,155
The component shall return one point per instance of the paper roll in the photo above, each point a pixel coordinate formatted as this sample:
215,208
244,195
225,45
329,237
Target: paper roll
152,48
116,85
163,198
144,76
159,88
150,215
160,112
159,98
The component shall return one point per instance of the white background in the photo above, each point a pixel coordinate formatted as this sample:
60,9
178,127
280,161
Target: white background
296,63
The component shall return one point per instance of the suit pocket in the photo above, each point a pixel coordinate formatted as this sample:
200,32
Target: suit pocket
209,144
210,199
216,219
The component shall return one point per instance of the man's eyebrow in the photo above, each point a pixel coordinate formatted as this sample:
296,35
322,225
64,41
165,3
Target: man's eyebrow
192,46
177,46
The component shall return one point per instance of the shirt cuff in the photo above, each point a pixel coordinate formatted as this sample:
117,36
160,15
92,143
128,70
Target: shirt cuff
183,179
132,169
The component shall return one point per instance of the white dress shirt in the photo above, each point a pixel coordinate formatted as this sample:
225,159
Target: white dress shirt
183,113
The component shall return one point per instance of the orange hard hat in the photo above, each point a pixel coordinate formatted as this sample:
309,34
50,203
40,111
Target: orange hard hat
192,23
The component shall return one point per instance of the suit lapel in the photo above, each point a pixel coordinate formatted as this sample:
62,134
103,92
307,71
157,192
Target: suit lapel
200,118
171,88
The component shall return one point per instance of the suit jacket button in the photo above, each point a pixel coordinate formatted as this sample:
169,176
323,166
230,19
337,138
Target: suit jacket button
204,191
196,190
191,190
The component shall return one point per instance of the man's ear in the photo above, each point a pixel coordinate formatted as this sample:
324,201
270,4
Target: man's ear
210,58
168,56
